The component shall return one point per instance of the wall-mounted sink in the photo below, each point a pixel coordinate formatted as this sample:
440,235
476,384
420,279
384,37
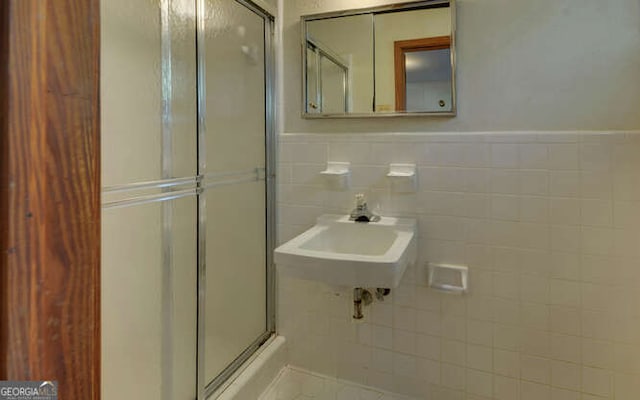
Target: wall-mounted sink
342,252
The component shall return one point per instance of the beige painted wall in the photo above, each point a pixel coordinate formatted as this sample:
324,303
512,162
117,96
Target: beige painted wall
543,65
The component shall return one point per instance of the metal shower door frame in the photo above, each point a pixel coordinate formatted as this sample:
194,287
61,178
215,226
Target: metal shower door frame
205,388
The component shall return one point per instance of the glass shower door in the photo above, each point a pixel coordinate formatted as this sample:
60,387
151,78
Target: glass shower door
149,218
235,66
187,198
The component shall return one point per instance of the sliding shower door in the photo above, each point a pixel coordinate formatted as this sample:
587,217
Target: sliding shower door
149,217
235,131
188,189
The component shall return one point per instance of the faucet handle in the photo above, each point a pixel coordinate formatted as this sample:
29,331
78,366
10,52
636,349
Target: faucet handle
360,200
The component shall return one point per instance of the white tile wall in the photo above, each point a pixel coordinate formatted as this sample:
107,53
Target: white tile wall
549,225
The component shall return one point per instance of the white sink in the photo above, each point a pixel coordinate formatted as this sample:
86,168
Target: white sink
342,252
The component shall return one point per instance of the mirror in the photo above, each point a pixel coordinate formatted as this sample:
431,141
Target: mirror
339,71
386,61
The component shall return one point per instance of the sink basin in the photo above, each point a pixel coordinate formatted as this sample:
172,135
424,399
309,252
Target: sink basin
342,252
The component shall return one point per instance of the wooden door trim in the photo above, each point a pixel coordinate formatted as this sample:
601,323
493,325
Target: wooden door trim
50,194
4,179
401,47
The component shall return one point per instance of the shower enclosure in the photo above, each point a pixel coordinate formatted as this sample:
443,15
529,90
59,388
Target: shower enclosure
188,196
327,80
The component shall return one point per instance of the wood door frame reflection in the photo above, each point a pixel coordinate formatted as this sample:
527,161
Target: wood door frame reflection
400,48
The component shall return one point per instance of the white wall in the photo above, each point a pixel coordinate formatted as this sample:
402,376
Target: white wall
522,65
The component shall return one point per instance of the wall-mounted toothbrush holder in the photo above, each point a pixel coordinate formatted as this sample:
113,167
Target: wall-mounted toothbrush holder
338,175
449,278
403,178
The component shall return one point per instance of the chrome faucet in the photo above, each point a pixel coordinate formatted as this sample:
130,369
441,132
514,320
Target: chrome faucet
361,213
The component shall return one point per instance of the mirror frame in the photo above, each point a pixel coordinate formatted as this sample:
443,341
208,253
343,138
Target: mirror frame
388,8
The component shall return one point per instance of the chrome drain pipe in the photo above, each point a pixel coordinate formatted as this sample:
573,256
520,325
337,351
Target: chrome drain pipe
361,297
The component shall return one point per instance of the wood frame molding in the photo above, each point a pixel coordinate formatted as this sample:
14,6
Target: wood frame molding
4,182
50,194
401,47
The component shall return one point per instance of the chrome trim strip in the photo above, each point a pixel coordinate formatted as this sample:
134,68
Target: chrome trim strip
305,79
380,114
214,175
454,19
153,198
176,182
256,8
335,58
198,185
373,62
319,97
235,364
201,381
167,207
211,185
271,151
167,92
346,90
167,301
159,184
375,9
226,178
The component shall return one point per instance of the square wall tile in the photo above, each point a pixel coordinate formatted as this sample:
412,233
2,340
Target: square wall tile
548,224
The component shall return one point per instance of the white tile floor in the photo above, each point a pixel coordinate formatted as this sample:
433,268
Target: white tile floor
297,384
